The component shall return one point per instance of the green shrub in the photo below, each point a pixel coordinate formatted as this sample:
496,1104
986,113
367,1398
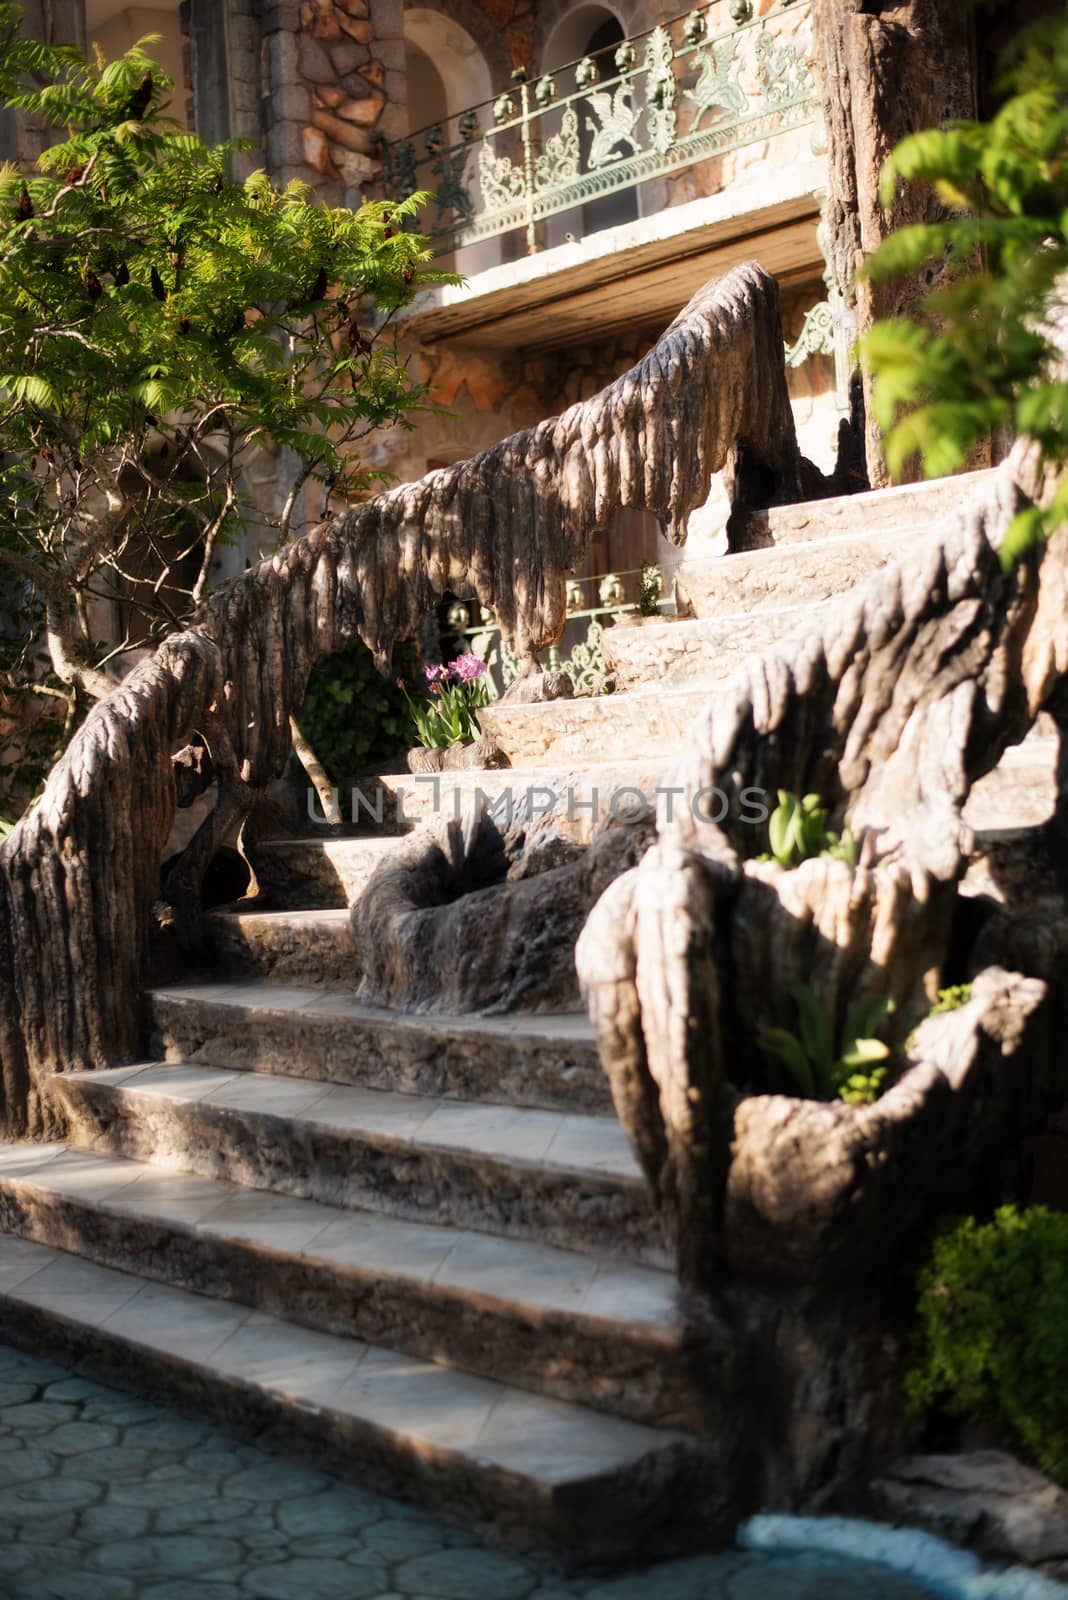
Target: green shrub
951,999
352,716
993,1327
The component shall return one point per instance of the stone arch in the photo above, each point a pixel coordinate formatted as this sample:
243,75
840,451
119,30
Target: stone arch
422,17
448,73
564,26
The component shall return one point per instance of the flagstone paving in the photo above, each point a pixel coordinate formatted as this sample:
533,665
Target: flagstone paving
108,1496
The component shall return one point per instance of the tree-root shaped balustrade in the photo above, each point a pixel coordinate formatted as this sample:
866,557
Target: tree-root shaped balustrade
80,876
907,691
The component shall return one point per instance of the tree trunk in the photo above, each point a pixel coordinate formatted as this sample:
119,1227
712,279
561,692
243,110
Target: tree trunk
888,68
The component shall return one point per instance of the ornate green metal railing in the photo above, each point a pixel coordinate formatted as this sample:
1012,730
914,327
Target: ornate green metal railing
593,603
704,84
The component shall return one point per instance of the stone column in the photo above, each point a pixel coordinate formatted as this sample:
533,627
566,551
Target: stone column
350,56
54,22
883,77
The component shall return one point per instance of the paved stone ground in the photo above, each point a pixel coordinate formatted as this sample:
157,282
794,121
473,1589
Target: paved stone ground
108,1496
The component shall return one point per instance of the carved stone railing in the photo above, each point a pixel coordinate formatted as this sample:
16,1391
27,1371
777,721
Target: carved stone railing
80,877
694,89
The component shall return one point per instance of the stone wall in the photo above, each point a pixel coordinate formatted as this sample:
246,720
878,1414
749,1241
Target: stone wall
334,82
512,22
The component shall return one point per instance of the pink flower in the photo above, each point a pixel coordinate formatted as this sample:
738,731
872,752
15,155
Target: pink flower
435,673
468,667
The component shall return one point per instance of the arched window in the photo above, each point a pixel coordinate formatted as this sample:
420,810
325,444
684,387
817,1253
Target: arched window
447,74
596,32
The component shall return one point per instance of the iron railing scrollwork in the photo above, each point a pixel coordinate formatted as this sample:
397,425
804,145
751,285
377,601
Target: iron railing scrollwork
704,84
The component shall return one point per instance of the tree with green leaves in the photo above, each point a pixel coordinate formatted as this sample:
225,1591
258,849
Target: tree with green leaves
982,358
163,331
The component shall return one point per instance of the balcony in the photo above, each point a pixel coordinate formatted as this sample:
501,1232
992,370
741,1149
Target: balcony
609,188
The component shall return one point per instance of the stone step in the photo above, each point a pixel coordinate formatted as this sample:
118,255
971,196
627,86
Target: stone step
283,947
564,789
315,947
549,1062
316,874
904,509
680,652
748,584
524,1468
649,718
1021,792
651,723
584,1330
554,1177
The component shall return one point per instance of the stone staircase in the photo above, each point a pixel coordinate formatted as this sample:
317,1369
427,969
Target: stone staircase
419,1246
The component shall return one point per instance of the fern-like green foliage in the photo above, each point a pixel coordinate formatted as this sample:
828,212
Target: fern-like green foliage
161,327
978,357
992,1332
850,1069
797,831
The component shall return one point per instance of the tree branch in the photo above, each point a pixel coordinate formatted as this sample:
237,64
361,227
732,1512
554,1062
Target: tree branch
316,772
28,568
66,668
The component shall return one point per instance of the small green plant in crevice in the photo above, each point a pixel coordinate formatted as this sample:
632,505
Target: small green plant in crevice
650,590
992,1334
444,713
951,999
852,1070
798,831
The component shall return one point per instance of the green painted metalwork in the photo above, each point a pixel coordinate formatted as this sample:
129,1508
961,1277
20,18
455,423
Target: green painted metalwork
592,605
829,328
706,83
